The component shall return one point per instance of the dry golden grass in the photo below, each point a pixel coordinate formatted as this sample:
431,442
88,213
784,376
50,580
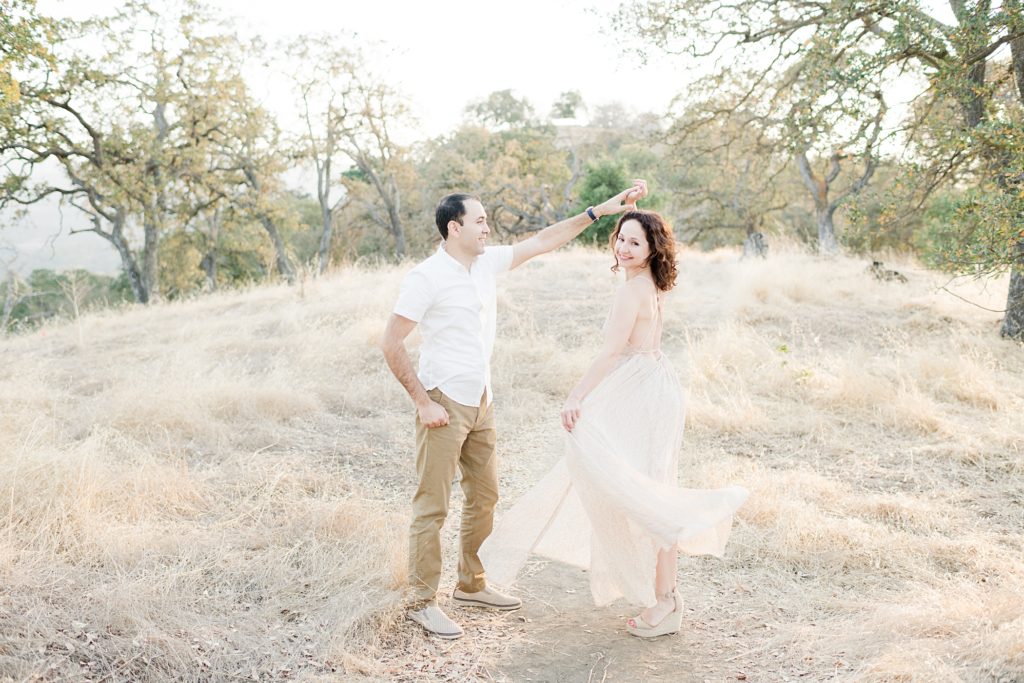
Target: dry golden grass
218,489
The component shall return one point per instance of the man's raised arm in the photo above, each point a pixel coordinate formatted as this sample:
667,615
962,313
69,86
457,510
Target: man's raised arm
554,236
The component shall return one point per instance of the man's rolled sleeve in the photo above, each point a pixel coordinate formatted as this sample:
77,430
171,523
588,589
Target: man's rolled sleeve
414,297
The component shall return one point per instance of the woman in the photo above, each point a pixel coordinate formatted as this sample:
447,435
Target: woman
624,421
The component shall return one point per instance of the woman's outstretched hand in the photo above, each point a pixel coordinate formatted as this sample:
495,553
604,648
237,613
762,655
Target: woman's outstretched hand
570,413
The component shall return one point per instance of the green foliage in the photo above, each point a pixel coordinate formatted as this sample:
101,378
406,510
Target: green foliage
24,41
46,294
304,235
180,274
974,232
601,182
968,186
521,174
879,219
504,110
605,179
355,174
568,104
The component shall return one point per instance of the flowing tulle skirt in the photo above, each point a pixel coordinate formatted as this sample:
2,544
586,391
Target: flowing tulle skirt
612,502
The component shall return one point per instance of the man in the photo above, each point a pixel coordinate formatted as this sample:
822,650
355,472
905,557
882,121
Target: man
451,296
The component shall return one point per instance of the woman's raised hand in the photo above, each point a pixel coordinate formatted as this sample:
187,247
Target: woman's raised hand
636,193
623,201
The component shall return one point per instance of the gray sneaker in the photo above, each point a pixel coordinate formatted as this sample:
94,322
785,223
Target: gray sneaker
436,622
488,597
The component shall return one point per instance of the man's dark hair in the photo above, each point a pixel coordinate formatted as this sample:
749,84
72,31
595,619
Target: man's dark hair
452,207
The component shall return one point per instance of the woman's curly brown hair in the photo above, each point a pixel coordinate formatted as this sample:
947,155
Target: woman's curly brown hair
662,243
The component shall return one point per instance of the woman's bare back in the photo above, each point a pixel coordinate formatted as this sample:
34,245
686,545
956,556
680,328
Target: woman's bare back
646,333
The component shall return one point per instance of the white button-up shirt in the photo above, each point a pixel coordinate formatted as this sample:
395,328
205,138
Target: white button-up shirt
455,309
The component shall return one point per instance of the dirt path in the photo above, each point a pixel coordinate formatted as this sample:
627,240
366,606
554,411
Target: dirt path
568,639
727,635
731,630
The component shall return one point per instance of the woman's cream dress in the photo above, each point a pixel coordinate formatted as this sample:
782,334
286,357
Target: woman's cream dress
612,502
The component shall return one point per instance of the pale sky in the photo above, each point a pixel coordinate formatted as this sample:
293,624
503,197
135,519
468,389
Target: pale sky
441,55
449,52
446,53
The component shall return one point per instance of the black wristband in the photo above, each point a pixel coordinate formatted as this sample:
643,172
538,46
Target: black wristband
593,216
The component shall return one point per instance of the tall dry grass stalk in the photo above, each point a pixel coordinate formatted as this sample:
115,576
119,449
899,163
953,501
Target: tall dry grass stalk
218,489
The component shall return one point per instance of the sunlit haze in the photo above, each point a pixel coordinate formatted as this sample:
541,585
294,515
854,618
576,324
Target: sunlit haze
440,56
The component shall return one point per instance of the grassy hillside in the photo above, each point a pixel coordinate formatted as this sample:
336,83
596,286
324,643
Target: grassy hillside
218,489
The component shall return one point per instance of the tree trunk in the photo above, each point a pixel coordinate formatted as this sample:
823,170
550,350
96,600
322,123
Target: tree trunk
818,187
754,245
1013,323
827,244
972,101
128,263
131,269
150,264
153,218
392,201
9,301
209,261
324,253
396,231
209,266
323,195
284,264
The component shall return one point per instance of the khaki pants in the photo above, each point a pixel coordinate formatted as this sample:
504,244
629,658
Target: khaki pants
467,441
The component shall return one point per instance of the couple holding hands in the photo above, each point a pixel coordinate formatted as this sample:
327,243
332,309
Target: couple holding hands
612,503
